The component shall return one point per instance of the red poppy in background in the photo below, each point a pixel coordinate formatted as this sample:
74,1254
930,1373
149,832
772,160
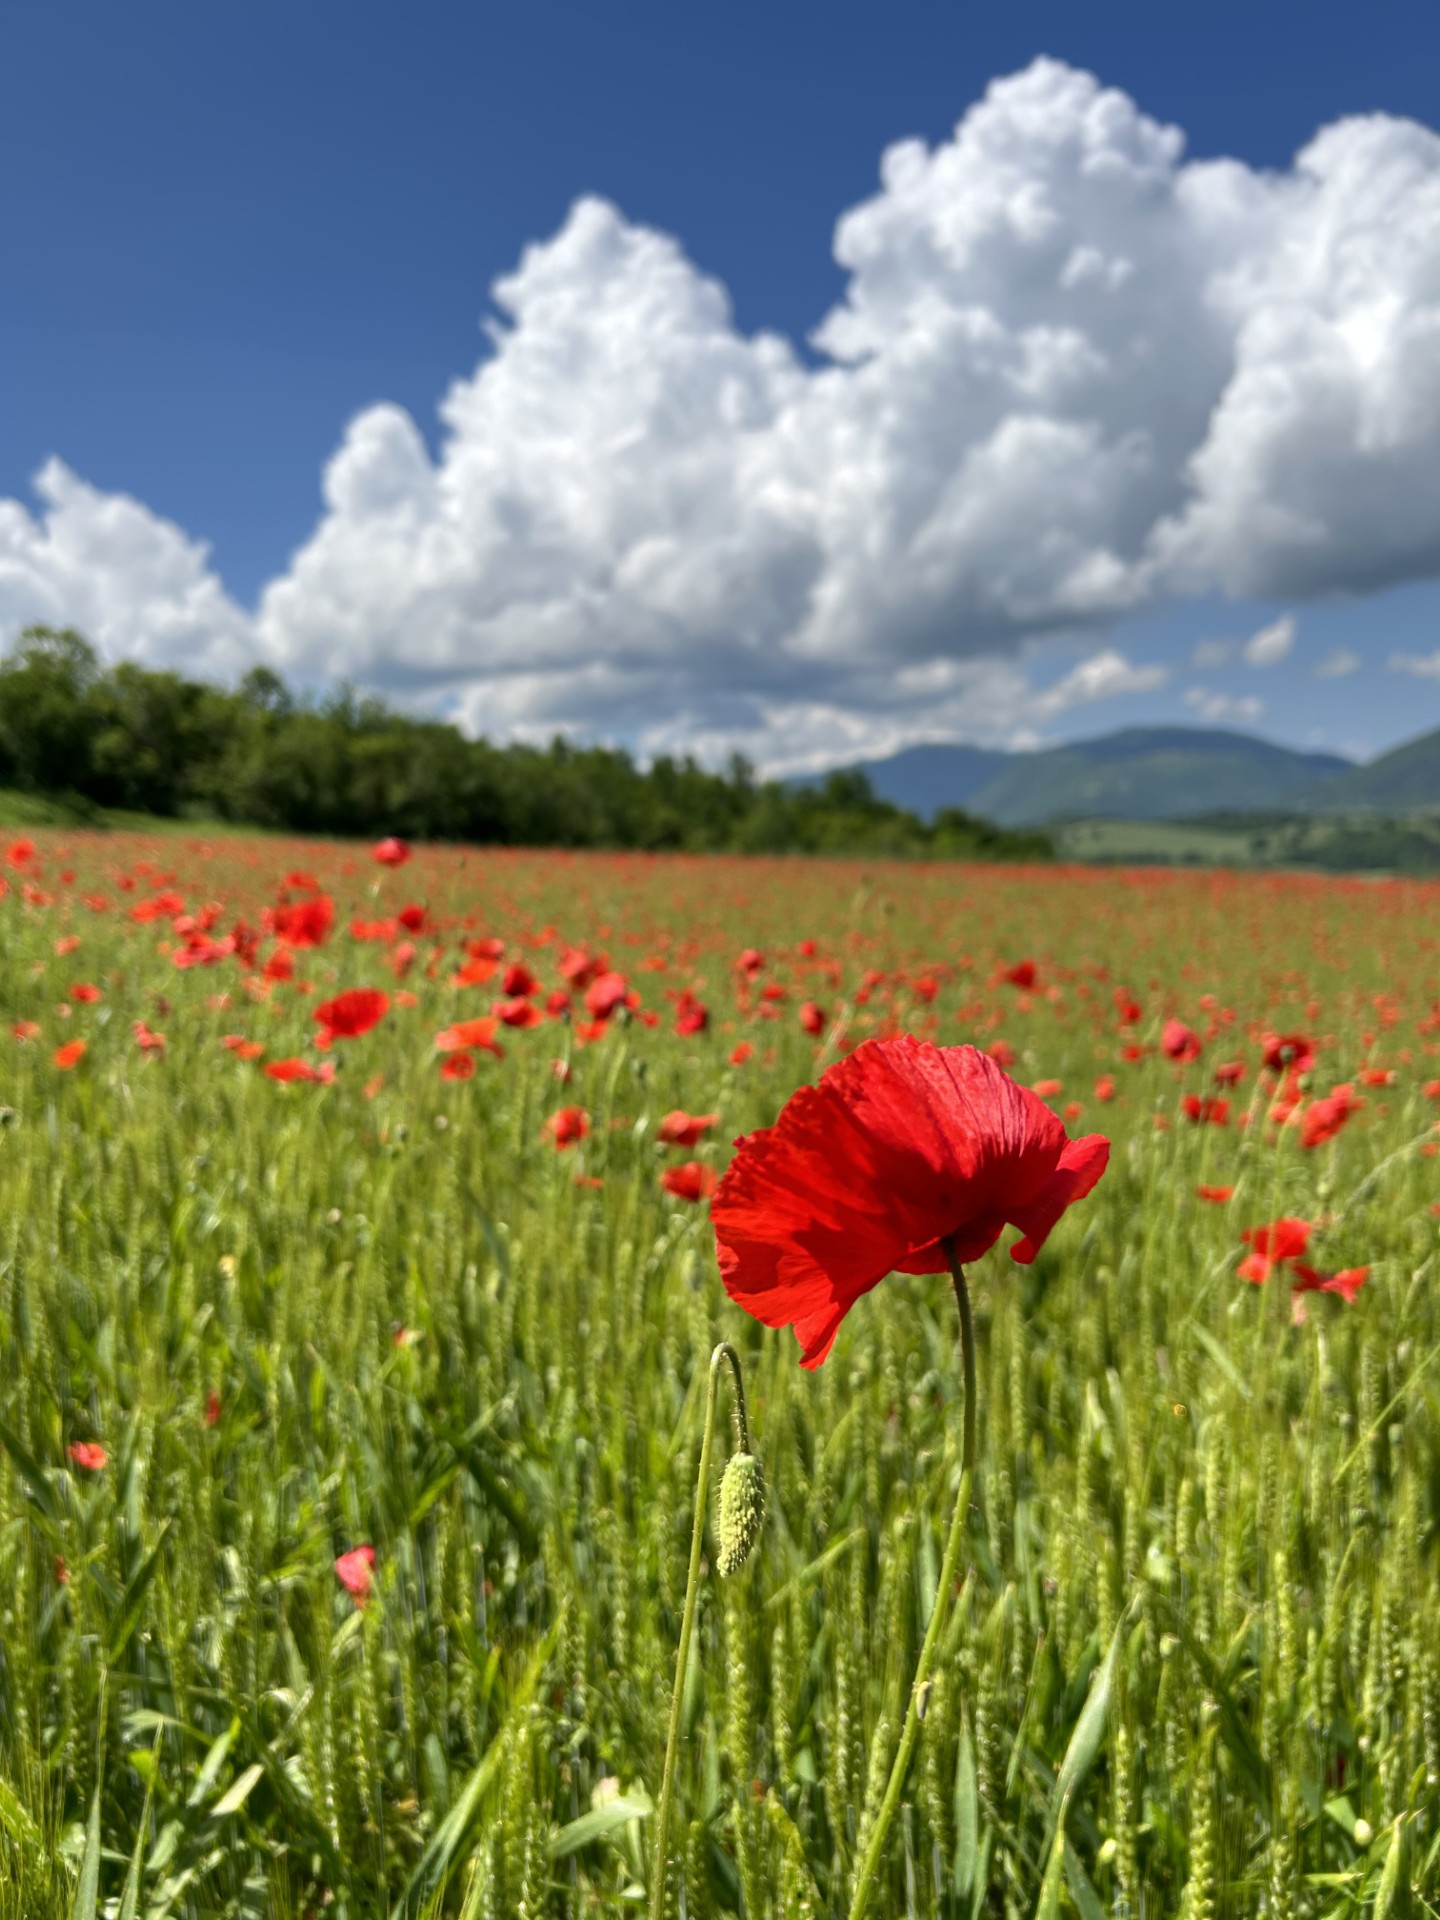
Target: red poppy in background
88,1454
85,995
1217,1196
353,1012
605,993
517,1013
1206,1110
1023,975
20,853
1286,1052
458,1066
1179,1042
26,1029
681,1129
903,1155
750,961
147,1040
1347,1283
305,923
519,981
479,1032
812,1019
690,1016
1105,1087
391,852
412,919
1323,1119
1229,1073
1275,1244
355,1571
287,1070
242,1048
70,1055
690,1181
567,1125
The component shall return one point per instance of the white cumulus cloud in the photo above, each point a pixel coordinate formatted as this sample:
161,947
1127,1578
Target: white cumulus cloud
1337,664
1072,375
1271,644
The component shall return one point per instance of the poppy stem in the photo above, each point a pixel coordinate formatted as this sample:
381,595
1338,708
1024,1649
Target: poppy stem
723,1354
865,1879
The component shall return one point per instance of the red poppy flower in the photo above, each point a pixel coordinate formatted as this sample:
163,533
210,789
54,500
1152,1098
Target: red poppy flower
1323,1119
212,1408
1277,1243
20,853
1179,1042
690,1181
355,1571
30,1030
88,1454
458,1066
476,971
1047,1089
517,1013
567,1125
681,1129
812,1018
519,981
391,852
1285,1052
147,1040
1377,1076
1105,1087
1229,1073
465,1034
750,961
1217,1196
690,1016
242,1048
84,995
900,1149
287,1070
1206,1110
1022,975
1347,1283
353,1012
412,919
305,924
742,1051
605,993
70,1055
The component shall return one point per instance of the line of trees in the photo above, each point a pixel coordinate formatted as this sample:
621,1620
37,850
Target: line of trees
131,738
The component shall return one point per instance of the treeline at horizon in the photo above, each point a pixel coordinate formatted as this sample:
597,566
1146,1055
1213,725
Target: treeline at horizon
130,738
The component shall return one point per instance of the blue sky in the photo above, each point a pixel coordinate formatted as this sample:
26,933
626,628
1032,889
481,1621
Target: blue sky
230,232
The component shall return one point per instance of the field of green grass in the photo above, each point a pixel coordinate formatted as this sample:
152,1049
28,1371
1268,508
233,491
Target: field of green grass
252,1325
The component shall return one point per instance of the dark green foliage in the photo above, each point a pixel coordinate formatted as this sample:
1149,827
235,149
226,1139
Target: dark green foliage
127,737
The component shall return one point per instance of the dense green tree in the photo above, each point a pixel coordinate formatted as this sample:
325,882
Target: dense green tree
157,742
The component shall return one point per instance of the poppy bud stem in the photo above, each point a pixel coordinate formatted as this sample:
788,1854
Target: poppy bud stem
939,1611
724,1354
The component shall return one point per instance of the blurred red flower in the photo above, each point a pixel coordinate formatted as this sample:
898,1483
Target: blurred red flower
567,1125
88,1454
352,1013
70,1055
681,1129
479,1032
1323,1119
605,993
690,1181
812,1018
306,923
391,852
355,1571
1217,1196
901,1150
1179,1042
517,1012
458,1066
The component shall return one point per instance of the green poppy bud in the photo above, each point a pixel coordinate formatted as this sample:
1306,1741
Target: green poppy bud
742,1510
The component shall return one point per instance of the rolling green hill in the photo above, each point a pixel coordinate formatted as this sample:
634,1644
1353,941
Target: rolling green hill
1141,773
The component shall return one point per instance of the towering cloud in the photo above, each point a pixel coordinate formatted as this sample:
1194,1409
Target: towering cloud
1072,375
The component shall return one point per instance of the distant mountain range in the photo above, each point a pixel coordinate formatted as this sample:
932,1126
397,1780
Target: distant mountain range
1156,773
